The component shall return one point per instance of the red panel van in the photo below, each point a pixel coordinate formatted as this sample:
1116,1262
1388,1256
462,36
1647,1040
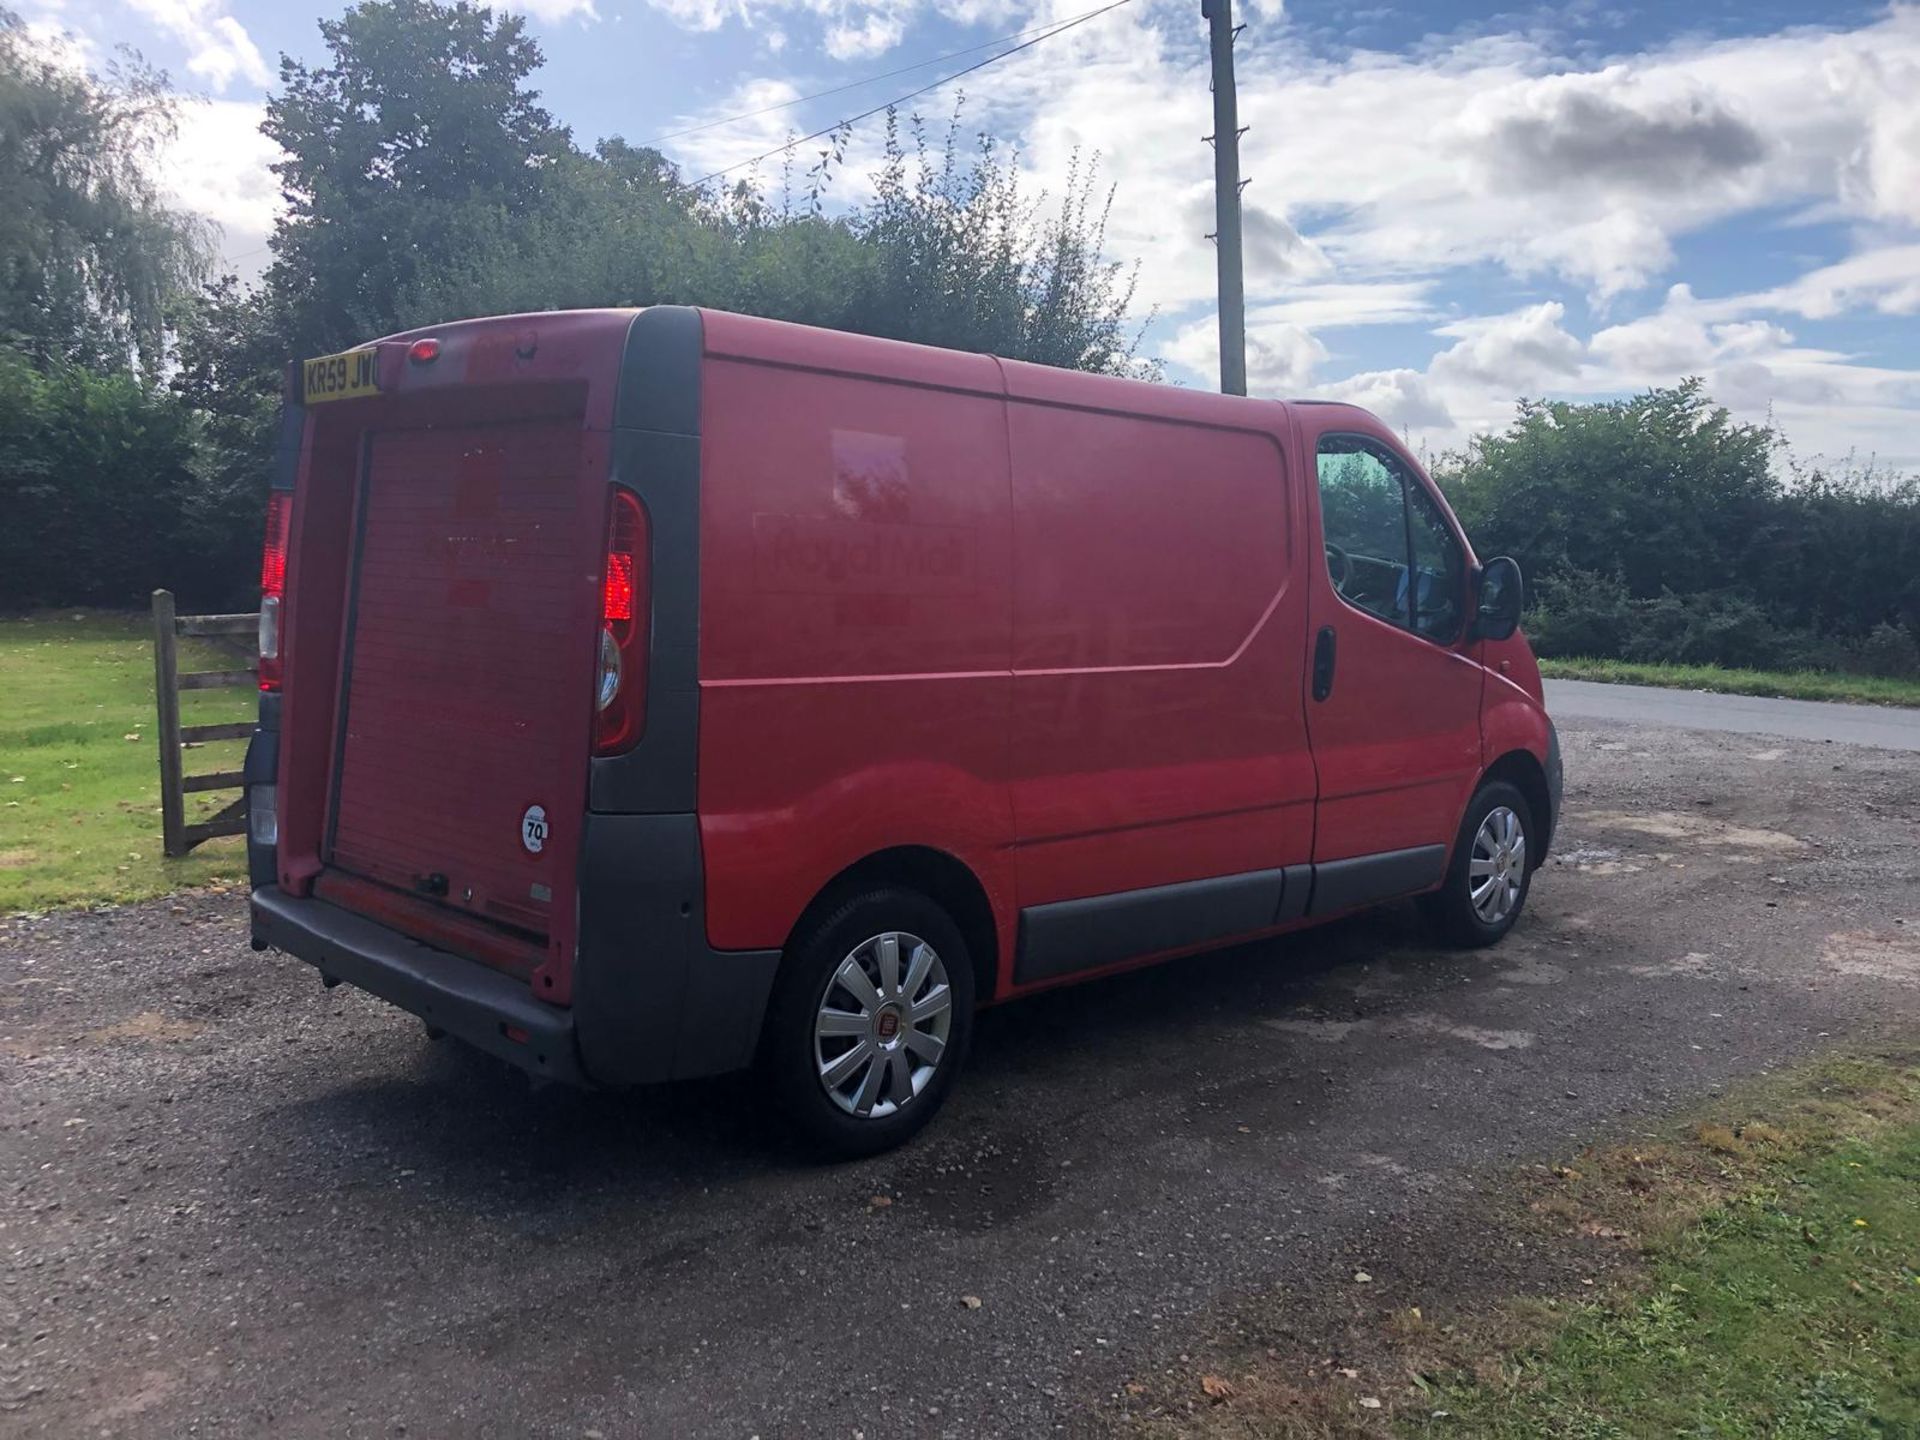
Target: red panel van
648,694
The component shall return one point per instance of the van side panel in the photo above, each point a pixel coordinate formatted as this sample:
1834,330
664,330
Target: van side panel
1158,733
854,617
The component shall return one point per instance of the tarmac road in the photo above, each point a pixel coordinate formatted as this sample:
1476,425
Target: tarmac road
1887,726
235,1204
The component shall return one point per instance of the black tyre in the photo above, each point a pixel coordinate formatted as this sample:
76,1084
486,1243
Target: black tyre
1490,872
869,1021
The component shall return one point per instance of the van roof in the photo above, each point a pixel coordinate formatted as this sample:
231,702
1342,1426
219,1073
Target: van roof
782,342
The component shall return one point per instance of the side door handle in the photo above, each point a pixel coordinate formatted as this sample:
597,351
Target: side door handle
1324,645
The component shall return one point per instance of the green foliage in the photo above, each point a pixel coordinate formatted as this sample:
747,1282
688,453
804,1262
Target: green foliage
1664,490
90,255
1889,651
1846,686
97,485
99,470
1792,1312
424,182
948,252
77,748
1657,529
230,378
421,118
1583,614
957,256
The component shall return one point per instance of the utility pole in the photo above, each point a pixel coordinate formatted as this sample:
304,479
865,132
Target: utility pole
1226,198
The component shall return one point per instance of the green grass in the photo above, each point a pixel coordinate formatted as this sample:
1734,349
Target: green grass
1788,1308
1792,684
1748,1272
79,766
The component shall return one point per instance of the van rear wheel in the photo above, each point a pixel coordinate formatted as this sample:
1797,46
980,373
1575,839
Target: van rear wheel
869,1021
1490,872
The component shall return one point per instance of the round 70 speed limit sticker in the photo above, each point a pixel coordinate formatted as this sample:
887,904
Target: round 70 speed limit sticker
533,829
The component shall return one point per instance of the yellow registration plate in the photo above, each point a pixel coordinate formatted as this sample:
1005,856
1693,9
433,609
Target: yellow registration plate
342,377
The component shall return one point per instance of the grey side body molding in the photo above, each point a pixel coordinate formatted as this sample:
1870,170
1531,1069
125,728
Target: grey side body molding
1071,936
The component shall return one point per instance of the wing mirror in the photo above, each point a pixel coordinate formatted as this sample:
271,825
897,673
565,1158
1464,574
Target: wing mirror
1499,596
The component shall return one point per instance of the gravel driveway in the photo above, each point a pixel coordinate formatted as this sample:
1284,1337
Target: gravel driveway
234,1203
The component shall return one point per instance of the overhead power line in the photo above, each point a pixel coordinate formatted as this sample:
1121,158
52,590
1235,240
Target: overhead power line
659,140
1039,33
1059,29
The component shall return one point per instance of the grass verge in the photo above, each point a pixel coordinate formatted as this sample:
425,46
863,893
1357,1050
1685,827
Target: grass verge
79,771
1789,684
1759,1274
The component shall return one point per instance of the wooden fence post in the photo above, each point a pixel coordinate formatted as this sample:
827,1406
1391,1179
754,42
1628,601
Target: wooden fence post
166,694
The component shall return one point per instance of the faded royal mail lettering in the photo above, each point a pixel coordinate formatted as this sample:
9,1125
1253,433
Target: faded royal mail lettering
804,555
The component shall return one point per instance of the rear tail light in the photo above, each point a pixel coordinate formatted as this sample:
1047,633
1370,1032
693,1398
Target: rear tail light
620,682
263,814
273,586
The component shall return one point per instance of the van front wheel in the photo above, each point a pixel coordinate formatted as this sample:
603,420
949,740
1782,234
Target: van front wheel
869,1021
1490,872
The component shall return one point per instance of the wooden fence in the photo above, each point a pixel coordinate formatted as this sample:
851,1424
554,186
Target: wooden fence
238,634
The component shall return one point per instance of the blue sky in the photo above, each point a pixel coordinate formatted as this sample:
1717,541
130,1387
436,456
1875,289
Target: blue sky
1452,203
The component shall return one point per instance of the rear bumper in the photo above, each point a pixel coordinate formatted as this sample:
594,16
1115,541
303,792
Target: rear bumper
651,1000
465,999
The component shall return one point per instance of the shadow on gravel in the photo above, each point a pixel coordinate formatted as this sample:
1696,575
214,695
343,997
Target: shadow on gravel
482,1134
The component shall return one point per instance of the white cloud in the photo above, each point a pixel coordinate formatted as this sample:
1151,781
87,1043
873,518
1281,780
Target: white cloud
553,12
1380,179
1883,172
1281,356
1613,129
71,50
871,34
699,15
852,28
1827,402
1405,399
218,165
1611,254
1525,350
218,46
1886,279
1495,150
1331,305
1672,341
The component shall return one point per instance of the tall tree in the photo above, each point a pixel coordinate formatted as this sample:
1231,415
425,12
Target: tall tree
421,118
91,254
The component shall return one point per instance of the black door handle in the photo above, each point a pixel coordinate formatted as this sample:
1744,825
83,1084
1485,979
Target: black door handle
1323,652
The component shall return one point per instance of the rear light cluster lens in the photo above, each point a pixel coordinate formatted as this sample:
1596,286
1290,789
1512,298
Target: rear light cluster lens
620,687
263,814
273,586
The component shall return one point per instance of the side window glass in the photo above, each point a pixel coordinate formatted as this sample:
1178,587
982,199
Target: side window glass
1438,567
1363,520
